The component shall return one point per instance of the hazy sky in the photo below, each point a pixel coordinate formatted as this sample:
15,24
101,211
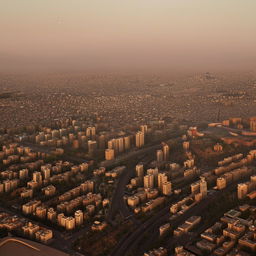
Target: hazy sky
127,34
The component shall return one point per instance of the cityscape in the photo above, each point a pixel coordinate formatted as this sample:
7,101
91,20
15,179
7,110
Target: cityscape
86,186
147,154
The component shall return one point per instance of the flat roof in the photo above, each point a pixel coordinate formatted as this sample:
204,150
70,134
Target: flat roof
10,246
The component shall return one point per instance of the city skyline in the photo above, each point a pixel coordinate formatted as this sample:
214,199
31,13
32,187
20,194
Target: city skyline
128,128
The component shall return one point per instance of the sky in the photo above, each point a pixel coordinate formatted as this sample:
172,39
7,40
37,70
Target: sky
127,35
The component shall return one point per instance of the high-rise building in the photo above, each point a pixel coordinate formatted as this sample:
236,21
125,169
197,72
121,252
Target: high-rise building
253,179
51,215
120,142
7,185
87,186
162,178
109,154
30,207
61,219
139,170
167,188
186,145
136,182
70,223
149,181
1,187
253,125
221,183
203,187
133,201
84,167
92,146
159,156
242,190
139,139
90,132
79,218
217,147
166,152
41,212
46,173
23,174
49,190
154,172
93,131
189,163
37,177
144,128
195,187
30,229
127,142
113,144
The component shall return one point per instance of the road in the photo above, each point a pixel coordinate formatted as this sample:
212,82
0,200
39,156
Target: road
131,239
135,239
128,242
151,226
118,203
